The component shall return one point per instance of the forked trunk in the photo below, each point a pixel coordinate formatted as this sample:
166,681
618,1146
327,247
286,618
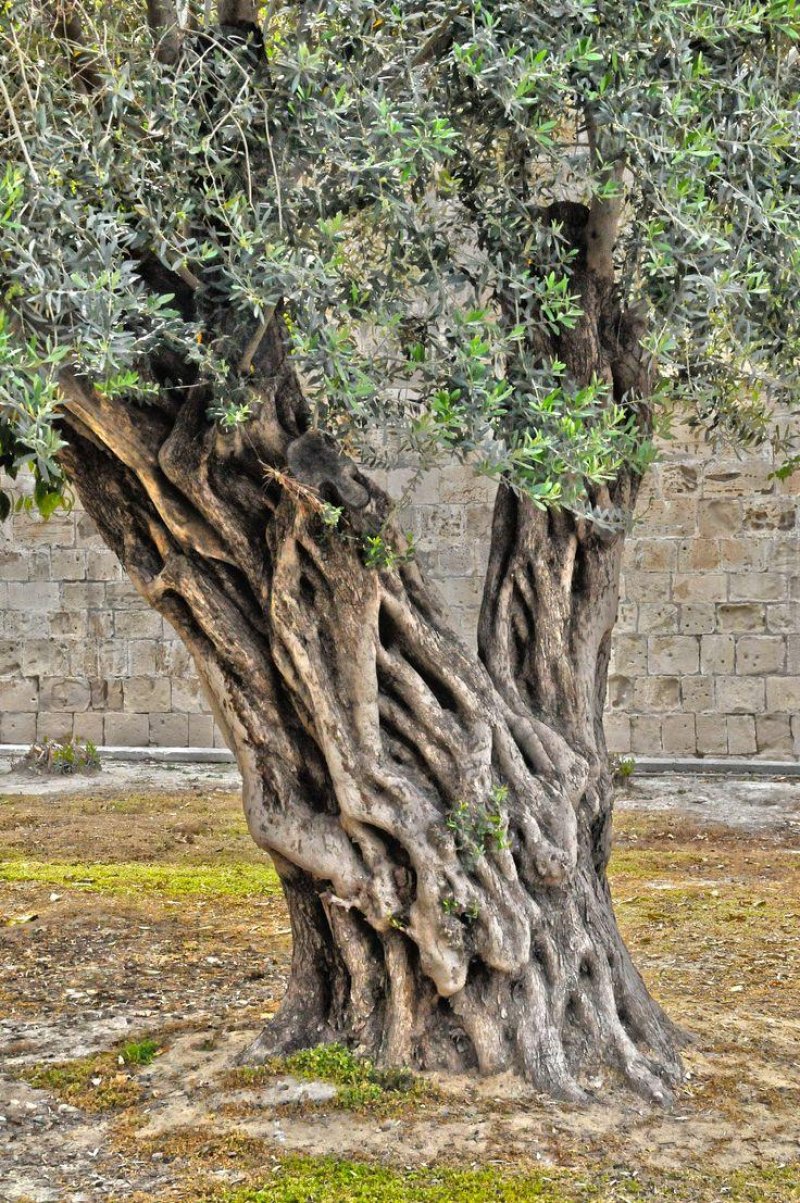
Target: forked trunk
439,821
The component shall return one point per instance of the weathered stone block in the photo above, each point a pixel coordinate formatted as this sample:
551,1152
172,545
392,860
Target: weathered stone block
657,618
656,694
201,730
774,736
137,624
17,728
646,735
712,736
169,730
717,654
44,657
145,695
759,654
629,655
757,586
673,654
697,693
697,618
718,518
126,730
698,555
741,695
700,586
68,565
741,735
783,694
741,617
618,734
678,735
58,725
64,693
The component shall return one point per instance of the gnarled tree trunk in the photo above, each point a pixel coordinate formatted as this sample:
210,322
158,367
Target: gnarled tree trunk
439,821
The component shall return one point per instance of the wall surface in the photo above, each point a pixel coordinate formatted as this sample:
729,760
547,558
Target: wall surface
706,655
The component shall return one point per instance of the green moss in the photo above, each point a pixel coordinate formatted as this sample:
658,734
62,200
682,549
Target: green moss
360,1083
325,1180
236,880
102,1082
139,1053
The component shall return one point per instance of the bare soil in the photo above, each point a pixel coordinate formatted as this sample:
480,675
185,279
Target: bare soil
130,908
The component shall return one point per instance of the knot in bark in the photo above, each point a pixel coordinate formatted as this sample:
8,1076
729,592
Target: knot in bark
315,460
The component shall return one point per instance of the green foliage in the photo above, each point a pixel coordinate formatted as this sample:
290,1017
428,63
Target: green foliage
359,1082
132,878
328,1180
479,829
385,174
622,767
101,1082
380,553
65,756
140,1052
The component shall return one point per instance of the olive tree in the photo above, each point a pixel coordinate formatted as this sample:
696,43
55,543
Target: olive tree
248,254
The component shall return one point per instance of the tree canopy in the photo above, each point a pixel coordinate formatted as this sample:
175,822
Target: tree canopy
403,181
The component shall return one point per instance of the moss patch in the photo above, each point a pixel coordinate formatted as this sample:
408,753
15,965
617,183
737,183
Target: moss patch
103,1082
211,881
325,1180
360,1084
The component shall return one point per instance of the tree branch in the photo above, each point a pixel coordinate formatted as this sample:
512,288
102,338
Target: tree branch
162,17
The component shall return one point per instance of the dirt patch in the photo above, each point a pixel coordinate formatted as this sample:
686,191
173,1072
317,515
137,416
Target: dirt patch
163,932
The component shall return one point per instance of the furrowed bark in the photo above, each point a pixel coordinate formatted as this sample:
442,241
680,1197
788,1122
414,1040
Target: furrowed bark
429,828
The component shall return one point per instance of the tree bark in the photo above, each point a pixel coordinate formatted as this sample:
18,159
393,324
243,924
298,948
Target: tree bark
436,821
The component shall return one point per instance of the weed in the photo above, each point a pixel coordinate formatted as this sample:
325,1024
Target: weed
65,757
176,881
480,828
359,1082
622,767
381,554
103,1082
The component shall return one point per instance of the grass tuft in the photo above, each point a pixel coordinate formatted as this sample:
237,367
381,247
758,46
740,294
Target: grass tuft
360,1084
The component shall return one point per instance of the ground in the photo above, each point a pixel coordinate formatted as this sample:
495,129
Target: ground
143,941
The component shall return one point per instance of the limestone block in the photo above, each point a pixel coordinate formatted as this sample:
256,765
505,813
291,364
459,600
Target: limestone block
19,694
629,655
144,695
137,624
68,565
738,616
717,654
718,518
697,618
773,736
64,694
741,734
201,730
54,725
673,654
169,730
698,555
783,694
126,730
656,618
712,736
759,654
697,693
757,586
646,734
657,694
741,695
678,735
17,728
618,734
33,596
700,586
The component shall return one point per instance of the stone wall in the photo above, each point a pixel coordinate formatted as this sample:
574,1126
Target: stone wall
706,655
